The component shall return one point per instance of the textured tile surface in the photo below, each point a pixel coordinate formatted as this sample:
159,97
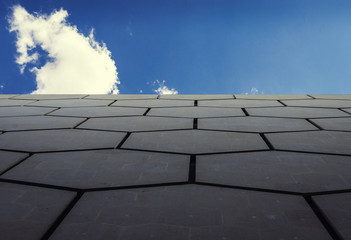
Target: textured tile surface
142,123
296,112
8,159
239,103
59,140
195,112
255,124
37,122
338,210
102,168
175,167
99,112
321,141
154,103
27,212
190,212
286,171
195,141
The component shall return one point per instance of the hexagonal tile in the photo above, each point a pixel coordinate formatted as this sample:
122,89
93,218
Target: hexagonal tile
347,110
195,141
239,103
286,171
72,103
342,124
338,210
255,124
59,140
6,96
153,103
196,112
296,112
11,102
48,96
8,159
315,141
143,123
23,111
121,96
272,97
319,103
37,122
27,212
197,96
190,212
333,96
102,168
99,112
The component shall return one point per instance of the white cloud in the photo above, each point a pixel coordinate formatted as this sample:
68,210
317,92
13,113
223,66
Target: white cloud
254,91
164,90
78,63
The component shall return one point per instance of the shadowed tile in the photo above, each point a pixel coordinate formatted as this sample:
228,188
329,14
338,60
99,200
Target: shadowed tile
342,124
296,112
102,168
8,159
195,141
59,140
23,111
28,212
204,212
297,172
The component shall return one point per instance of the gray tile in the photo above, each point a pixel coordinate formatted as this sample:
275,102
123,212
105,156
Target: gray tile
333,96
59,140
239,103
11,102
347,110
99,112
6,96
196,112
315,141
28,212
121,96
102,168
296,112
319,103
143,123
195,141
197,96
72,103
37,122
338,211
204,212
23,111
255,124
153,103
8,159
49,96
286,171
272,97
342,124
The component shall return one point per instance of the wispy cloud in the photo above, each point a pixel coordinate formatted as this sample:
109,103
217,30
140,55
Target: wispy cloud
253,91
164,90
78,63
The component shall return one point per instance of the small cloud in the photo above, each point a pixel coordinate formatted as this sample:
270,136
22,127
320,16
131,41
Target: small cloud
77,63
164,90
1,86
253,91
141,91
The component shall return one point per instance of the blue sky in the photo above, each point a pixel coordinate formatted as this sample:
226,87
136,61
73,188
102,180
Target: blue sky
205,46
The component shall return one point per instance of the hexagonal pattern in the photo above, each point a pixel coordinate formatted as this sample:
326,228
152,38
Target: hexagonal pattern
255,124
286,171
101,168
143,123
59,140
175,166
190,212
195,141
